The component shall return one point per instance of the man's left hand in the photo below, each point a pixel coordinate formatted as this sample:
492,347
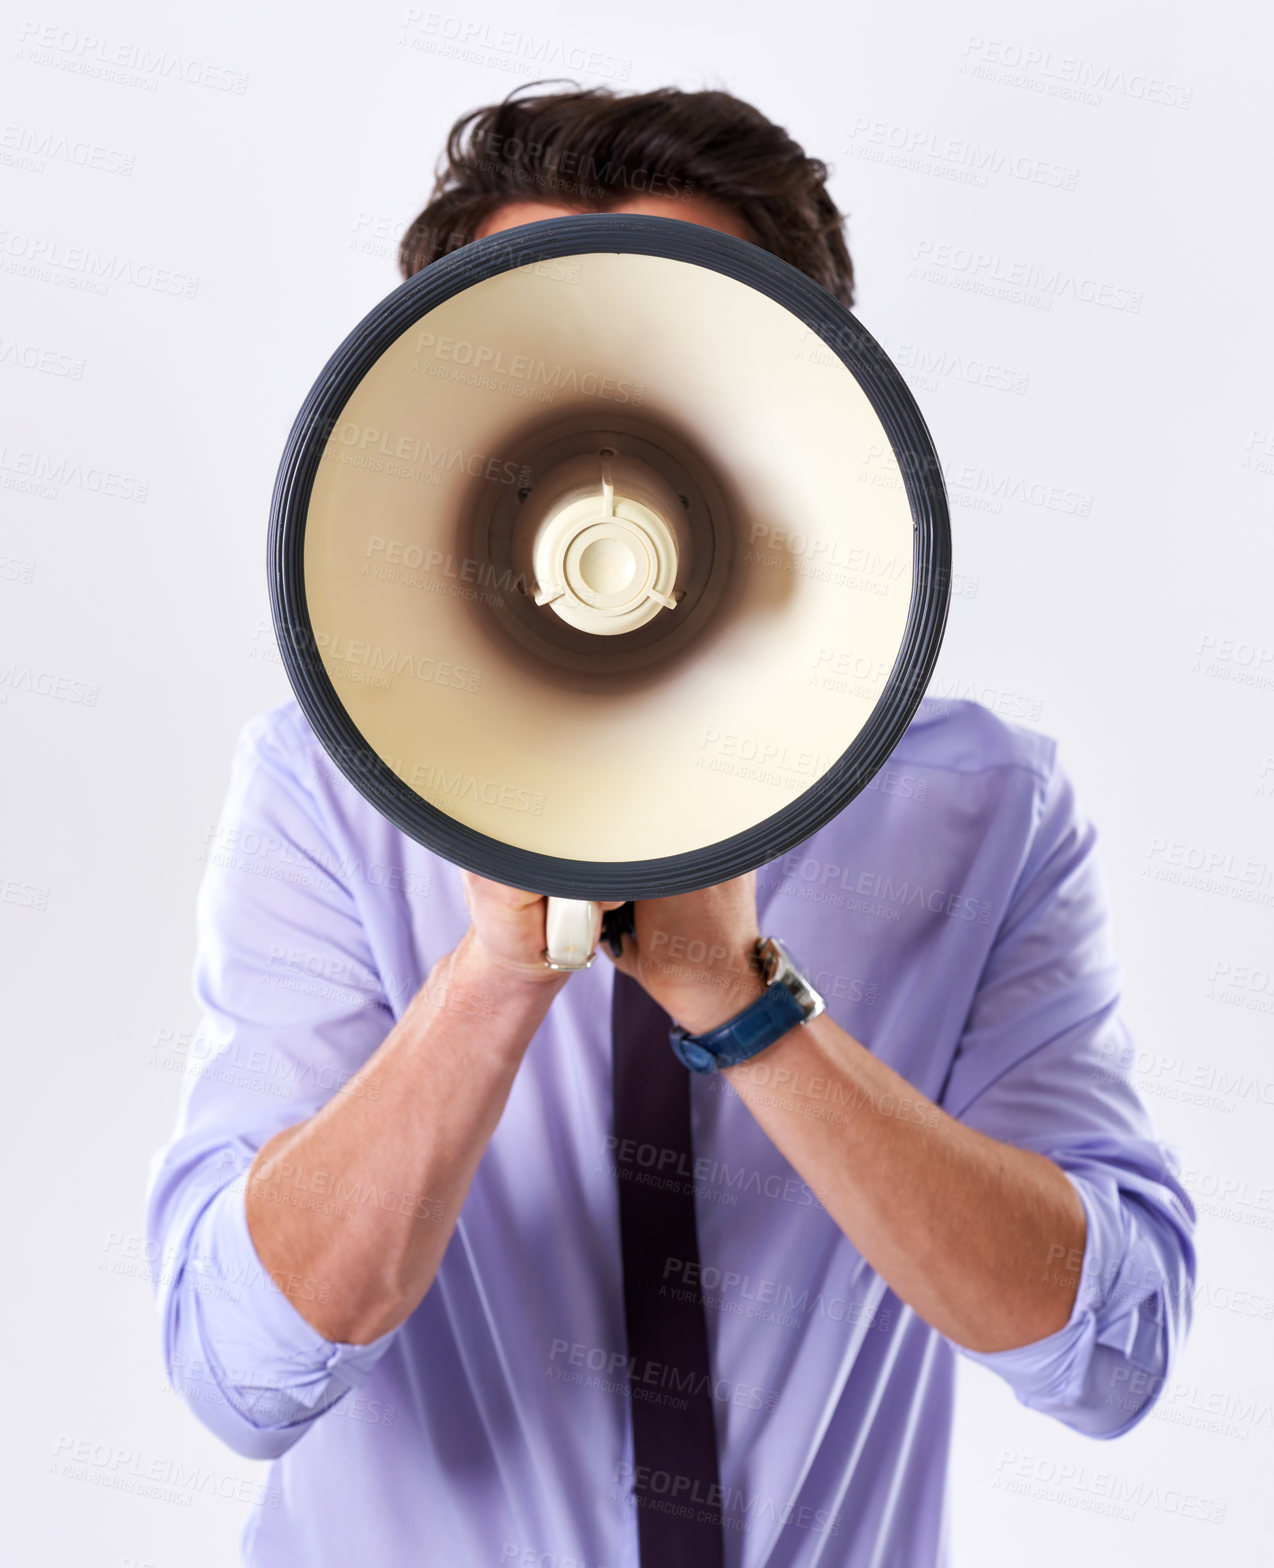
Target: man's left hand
694,952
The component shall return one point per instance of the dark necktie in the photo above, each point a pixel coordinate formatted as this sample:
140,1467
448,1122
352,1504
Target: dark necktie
676,1486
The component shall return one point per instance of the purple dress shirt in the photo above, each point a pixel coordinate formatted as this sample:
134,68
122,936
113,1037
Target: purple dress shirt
954,918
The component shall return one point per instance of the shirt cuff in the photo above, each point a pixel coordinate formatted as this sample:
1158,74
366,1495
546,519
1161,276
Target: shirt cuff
271,1365
1098,1373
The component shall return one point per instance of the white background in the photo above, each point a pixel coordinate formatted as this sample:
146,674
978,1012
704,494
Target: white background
1111,476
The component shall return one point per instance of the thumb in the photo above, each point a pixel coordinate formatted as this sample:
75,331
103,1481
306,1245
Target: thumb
626,962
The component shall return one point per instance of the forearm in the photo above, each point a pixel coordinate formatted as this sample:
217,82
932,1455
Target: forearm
414,1123
965,1229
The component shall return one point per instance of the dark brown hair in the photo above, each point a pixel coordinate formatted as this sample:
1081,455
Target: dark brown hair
589,148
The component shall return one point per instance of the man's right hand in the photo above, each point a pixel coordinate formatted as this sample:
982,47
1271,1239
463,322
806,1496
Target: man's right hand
508,926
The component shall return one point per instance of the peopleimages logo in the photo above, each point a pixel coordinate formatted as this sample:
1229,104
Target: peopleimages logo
23,147
1040,70
1246,663
1211,870
368,664
153,1476
123,62
905,894
417,451
53,468
1100,1491
987,490
46,361
475,41
952,157
47,683
49,260
437,784
668,1492
539,375
648,1373
1021,281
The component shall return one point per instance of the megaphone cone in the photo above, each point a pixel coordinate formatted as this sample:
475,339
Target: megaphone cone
609,557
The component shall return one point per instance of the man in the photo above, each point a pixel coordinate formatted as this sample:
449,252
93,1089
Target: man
391,1215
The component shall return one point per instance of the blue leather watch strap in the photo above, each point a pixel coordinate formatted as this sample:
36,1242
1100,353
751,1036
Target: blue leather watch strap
761,1023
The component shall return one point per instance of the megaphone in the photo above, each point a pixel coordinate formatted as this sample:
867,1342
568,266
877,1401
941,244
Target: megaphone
609,558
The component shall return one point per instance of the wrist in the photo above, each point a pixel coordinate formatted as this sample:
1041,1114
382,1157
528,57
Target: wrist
474,963
782,999
702,1018
470,986
721,998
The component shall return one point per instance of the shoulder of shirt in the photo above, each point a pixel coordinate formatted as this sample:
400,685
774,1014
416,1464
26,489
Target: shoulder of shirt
964,737
282,737
280,740
284,724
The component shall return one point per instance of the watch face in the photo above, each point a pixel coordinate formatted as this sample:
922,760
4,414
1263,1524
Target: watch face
779,959
782,965
770,959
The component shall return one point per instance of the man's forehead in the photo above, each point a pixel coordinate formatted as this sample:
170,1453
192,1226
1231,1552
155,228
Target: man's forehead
690,209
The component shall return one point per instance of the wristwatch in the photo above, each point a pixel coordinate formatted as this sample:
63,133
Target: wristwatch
789,1000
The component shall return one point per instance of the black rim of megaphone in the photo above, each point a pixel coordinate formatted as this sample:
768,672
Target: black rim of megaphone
842,334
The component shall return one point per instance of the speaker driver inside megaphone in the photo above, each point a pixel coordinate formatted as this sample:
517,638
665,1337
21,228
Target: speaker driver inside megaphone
603,544
614,553
614,578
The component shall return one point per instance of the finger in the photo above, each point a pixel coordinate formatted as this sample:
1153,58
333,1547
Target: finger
626,961
516,898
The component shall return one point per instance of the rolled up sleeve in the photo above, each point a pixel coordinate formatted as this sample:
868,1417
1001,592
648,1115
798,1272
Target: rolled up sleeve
1045,1064
291,1007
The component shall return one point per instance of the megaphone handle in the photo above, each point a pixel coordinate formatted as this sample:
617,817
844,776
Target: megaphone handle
570,932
